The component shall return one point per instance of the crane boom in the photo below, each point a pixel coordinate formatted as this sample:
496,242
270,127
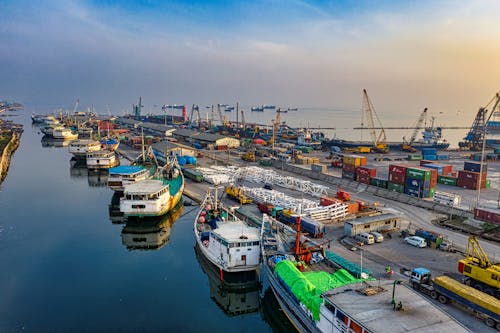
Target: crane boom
379,141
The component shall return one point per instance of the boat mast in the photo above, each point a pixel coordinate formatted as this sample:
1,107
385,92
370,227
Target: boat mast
142,144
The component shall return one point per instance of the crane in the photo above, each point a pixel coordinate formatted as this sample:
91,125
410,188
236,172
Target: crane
407,145
242,119
276,123
379,141
195,108
476,134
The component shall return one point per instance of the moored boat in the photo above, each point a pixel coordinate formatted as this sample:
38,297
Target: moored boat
317,295
102,159
110,143
156,196
123,175
225,240
80,148
64,133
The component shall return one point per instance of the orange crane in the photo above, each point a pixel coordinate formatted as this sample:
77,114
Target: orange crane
407,145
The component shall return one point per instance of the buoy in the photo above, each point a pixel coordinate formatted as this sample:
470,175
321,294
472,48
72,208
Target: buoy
203,213
201,219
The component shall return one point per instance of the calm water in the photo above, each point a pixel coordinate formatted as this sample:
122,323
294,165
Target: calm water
64,266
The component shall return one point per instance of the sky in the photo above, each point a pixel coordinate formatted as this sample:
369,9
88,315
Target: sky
409,55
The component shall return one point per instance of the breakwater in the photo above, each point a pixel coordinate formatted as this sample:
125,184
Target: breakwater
7,152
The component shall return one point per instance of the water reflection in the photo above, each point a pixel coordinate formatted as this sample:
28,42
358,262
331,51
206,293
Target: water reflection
48,142
149,233
115,215
271,312
236,293
95,178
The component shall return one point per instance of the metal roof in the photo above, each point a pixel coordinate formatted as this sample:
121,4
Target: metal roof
234,231
125,169
370,219
145,187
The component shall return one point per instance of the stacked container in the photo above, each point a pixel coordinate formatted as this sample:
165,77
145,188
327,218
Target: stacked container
421,182
442,169
397,177
349,165
447,180
379,182
364,174
469,177
429,154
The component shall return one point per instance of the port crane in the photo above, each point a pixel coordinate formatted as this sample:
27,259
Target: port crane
476,135
379,141
407,145
276,124
195,109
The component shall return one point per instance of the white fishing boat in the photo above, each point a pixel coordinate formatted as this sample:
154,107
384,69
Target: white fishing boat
80,148
123,175
64,133
102,159
228,242
154,197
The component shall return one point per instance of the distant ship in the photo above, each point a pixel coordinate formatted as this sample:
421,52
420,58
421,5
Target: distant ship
257,108
431,138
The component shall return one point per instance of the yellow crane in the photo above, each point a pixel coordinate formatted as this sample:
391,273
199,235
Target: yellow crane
479,272
407,145
276,123
379,141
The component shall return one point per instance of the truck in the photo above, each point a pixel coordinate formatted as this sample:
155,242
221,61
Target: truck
237,194
446,290
248,156
479,272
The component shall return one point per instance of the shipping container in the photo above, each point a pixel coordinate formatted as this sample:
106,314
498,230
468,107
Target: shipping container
475,166
349,168
364,179
397,178
355,160
443,157
398,168
430,157
429,151
352,207
428,193
327,201
470,180
417,184
379,182
487,215
419,173
437,167
423,162
496,150
414,157
193,174
371,172
348,175
395,187
447,180
321,168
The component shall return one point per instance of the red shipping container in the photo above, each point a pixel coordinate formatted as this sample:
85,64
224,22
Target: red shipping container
352,207
447,169
224,147
470,180
424,162
469,175
397,169
327,201
363,179
349,167
397,177
362,160
487,216
364,171
434,178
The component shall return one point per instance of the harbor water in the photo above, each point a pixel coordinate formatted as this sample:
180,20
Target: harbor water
66,267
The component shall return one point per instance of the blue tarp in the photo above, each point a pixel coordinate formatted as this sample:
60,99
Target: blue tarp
125,169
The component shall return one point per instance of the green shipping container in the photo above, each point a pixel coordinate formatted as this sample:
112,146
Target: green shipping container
414,157
418,174
378,182
193,175
447,180
395,187
497,151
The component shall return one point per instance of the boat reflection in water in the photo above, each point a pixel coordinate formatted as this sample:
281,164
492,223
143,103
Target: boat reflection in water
115,215
49,142
234,293
271,312
95,178
150,233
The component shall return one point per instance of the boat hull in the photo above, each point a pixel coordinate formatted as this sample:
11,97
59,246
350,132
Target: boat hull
391,145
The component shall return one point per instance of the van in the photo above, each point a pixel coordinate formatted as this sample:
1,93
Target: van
365,238
416,241
378,236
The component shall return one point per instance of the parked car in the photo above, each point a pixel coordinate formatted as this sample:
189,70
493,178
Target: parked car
365,238
268,186
378,236
416,241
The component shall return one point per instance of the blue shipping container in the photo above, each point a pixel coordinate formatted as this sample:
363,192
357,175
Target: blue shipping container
438,167
475,166
429,151
430,157
443,157
416,184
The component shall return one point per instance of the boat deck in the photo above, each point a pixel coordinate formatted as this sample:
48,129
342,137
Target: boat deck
376,312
